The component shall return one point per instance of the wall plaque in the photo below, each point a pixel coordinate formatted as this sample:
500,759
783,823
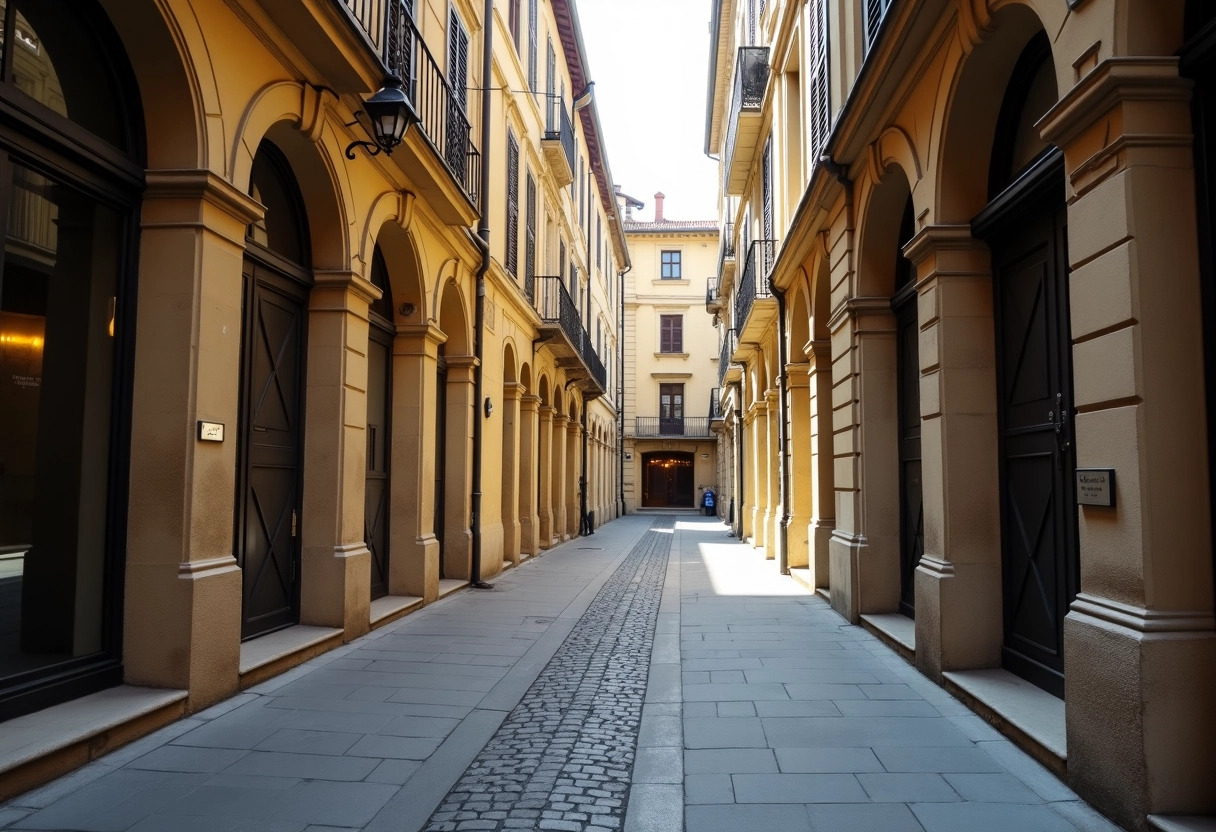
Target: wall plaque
1096,487
210,431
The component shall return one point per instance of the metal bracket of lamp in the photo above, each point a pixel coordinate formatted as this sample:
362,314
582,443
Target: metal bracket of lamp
391,113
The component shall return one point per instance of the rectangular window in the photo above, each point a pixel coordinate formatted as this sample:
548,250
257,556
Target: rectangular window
671,333
599,242
533,27
512,259
669,267
513,21
551,88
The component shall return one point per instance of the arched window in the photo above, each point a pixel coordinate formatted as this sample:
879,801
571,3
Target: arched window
1030,94
71,154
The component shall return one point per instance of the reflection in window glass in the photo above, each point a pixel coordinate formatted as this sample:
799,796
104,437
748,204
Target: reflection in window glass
57,291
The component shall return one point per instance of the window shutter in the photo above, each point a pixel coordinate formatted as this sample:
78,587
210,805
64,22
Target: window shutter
532,33
530,242
512,205
821,92
458,60
875,9
551,88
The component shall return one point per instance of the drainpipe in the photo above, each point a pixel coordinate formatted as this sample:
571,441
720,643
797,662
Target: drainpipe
783,462
483,243
584,520
739,458
620,385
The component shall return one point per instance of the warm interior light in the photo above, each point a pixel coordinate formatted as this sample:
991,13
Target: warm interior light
112,304
21,340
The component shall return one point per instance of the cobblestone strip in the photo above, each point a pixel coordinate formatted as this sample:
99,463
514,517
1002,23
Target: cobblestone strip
562,759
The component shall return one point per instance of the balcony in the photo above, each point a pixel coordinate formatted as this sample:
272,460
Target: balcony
755,307
442,145
726,259
715,405
713,298
563,333
725,356
694,428
558,143
743,124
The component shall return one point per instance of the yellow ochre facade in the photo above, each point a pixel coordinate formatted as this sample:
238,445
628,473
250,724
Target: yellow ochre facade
262,392
670,361
967,341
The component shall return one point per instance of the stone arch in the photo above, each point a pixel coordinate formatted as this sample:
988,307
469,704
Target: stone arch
508,363
878,237
405,269
798,308
525,378
970,111
162,50
453,320
543,391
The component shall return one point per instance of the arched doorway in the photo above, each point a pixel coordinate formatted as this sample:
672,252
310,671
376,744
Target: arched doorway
1025,227
271,433
1199,64
71,171
907,385
380,334
667,480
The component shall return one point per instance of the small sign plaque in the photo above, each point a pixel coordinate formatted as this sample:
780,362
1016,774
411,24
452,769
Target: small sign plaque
1096,487
210,431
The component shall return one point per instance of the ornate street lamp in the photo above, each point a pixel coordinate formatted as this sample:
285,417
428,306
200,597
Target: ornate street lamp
390,112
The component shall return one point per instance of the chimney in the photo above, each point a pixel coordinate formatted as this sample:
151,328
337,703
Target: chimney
658,206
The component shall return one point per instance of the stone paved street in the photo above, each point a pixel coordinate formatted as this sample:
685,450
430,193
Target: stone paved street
655,677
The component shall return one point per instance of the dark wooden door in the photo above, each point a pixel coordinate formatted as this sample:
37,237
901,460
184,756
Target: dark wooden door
271,435
668,480
1039,551
671,409
911,504
376,489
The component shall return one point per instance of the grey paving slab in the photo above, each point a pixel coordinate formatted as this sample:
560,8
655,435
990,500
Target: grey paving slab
844,732
850,817
754,817
177,758
304,766
728,732
708,788
990,817
827,760
798,788
303,741
991,788
940,759
905,788
729,761
655,808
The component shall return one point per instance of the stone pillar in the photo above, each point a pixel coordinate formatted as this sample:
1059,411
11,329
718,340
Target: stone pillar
335,574
865,544
545,516
529,522
574,472
800,475
511,435
757,416
958,581
183,590
1140,640
413,548
558,497
823,473
774,507
457,495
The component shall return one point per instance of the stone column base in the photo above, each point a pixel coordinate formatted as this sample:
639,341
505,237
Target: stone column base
414,569
958,616
1141,727
844,556
336,587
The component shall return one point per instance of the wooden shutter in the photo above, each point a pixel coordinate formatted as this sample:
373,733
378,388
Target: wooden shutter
530,241
532,33
458,60
821,92
671,333
875,9
512,205
551,121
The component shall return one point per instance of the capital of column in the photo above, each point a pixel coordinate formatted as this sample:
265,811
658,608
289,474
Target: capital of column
418,339
559,419
545,411
348,283
866,315
512,390
529,403
821,355
461,367
798,374
198,198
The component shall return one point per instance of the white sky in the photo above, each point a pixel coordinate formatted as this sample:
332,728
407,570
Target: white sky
649,60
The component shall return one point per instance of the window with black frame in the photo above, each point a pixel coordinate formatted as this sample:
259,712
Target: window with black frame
65,347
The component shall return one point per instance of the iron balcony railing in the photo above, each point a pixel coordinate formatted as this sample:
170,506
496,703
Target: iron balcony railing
694,428
558,127
591,360
754,283
715,404
713,298
555,306
730,340
727,249
441,111
751,77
